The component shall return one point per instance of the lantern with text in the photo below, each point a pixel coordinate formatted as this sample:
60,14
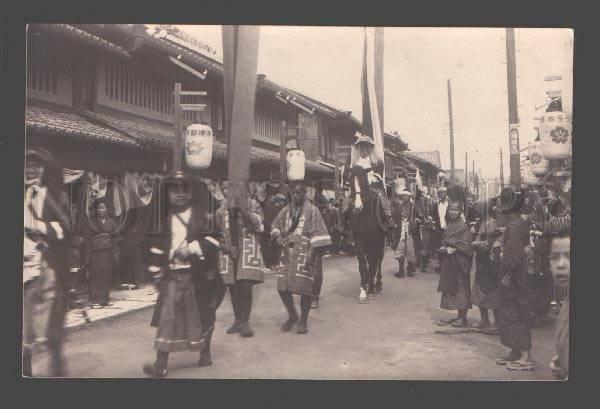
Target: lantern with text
198,146
539,164
555,135
295,165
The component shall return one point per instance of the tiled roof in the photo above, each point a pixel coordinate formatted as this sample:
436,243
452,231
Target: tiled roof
83,36
131,131
67,122
145,131
432,157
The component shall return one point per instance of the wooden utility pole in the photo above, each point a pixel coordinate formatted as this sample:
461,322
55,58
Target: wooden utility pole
467,171
177,146
451,126
501,171
513,115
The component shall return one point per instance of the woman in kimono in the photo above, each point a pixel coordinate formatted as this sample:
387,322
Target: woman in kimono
485,290
46,242
454,283
185,266
241,262
101,254
513,311
302,232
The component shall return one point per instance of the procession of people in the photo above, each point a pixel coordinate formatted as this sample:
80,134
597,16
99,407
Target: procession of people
207,248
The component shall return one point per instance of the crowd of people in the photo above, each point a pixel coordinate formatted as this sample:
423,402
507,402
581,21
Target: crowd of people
488,253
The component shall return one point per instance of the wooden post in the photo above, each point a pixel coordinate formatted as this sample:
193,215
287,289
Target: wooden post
451,126
467,171
177,113
513,115
501,171
282,152
336,170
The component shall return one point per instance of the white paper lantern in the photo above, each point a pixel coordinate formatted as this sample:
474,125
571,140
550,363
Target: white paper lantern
527,176
295,165
539,164
399,185
555,135
198,146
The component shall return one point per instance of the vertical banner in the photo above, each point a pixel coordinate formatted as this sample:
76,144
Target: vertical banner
240,58
372,89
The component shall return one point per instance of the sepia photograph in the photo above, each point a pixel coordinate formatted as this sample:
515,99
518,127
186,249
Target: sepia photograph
297,202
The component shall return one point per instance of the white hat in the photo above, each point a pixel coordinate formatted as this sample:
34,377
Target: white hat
405,193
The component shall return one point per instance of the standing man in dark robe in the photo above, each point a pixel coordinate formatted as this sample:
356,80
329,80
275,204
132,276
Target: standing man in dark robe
185,264
333,221
513,310
47,227
241,264
302,233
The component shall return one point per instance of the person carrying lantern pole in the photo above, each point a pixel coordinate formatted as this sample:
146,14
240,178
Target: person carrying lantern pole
241,263
302,233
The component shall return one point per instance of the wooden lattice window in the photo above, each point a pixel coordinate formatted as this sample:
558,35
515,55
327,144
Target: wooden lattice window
42,68
126,84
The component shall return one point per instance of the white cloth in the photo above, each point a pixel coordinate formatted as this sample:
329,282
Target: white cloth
442,207
32,255
179,232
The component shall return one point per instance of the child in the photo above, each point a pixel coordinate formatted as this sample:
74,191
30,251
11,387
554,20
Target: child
560,266
454,281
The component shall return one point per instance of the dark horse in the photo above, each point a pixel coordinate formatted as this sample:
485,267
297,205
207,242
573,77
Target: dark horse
369,231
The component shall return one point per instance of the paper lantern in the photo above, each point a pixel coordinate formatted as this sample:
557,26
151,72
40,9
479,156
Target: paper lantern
399,185
295,165
527,176
555,135
198,146
539,164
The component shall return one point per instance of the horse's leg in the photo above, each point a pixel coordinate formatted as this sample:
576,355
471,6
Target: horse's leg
362,262
378,284
373,263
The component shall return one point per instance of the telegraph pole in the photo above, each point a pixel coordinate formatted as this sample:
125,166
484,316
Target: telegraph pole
501,171
513,115
451,125
467,171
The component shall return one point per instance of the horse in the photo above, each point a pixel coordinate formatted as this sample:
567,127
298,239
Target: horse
368,228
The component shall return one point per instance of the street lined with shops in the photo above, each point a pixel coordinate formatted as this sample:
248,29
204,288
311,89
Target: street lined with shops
391,337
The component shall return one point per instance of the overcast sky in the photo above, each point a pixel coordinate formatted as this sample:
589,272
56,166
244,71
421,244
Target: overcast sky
325,63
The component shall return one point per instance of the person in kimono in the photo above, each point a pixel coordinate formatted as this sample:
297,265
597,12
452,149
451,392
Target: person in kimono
241,262
185,266
402,242
454,282
560,267
367,170
302,232
487,246
101,253
513,318
438,221
46,248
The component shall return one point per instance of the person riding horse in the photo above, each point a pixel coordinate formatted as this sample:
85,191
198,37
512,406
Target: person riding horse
371,215
367,171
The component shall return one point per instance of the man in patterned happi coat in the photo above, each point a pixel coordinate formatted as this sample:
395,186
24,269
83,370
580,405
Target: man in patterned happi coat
301,230
241,263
